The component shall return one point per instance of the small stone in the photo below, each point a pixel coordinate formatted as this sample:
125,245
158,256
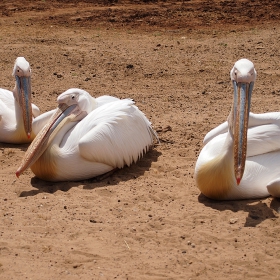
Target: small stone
233,221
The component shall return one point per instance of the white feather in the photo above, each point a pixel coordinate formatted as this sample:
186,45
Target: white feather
11,118
214,170
114,134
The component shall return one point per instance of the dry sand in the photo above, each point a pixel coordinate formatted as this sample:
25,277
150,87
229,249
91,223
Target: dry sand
148,221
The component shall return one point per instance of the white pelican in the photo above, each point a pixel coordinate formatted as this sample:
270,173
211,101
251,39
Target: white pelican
86,137
16,110
222,161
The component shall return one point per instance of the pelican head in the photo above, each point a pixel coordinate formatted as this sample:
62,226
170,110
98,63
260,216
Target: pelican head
22,91
73,105
243,76
79,97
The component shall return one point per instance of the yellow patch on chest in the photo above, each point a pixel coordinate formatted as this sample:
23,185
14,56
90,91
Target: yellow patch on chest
215,178
45,167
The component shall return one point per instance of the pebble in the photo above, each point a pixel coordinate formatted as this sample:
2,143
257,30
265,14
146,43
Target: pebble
233,221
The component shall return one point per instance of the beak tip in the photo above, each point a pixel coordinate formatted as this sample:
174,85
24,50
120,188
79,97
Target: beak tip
28,135
238,179
18,174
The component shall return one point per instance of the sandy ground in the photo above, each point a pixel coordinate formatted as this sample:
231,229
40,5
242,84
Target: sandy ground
148,221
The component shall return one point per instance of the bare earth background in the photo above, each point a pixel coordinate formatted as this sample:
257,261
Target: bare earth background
148,221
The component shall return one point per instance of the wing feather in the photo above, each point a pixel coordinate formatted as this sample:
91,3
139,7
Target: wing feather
7,98
40,121
119,134
261,139
35,110
255,120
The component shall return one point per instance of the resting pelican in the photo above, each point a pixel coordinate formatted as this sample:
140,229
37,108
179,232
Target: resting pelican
86,137
222,161
16,110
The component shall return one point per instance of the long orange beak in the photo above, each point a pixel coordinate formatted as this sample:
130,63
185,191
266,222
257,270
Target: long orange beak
24,97
45,136
241,110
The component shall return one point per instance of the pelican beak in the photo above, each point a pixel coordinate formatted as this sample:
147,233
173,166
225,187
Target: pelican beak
63,114
24,98
241,109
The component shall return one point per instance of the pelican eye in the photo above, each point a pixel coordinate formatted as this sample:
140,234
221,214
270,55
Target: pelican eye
73,97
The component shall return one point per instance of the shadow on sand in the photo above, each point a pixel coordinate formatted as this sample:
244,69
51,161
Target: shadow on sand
22,147
258,211
127,173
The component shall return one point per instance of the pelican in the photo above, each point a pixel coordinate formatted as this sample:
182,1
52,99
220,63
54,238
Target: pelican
87,137
240,158
16,110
